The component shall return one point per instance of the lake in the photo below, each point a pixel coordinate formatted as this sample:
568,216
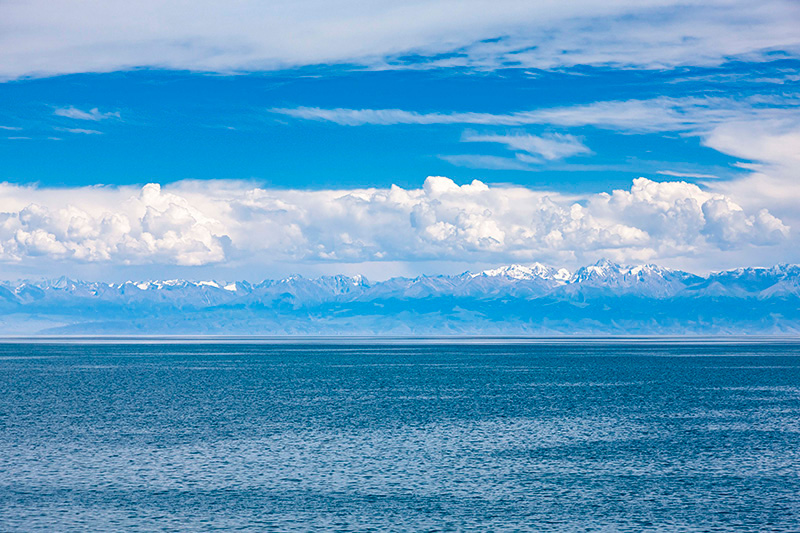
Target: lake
502,435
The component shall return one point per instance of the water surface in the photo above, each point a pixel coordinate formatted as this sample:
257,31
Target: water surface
598,436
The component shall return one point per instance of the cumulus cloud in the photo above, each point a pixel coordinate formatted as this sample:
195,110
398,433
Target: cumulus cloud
44,38
679,214
99,225
196,223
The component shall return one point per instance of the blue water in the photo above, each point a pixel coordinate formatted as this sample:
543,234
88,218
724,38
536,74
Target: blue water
504,437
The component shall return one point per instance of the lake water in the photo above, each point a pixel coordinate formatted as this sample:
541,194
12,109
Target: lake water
581,436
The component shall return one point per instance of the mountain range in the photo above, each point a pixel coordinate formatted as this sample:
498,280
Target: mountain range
599,299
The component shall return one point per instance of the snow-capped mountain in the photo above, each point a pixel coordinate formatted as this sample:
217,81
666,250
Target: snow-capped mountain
644,280
527,272
516,299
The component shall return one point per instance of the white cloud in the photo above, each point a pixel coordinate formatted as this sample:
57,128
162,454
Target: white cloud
93,114
388,117
196,223
771,149
531,150
678,214
764,131
80,130
489,162
697,175
104,225
772,140
41,37
549,146
10,128
690,114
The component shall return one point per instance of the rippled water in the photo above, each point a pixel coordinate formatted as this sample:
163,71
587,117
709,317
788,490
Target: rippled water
574,437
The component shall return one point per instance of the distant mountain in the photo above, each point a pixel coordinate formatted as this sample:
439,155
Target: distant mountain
529,272
603,298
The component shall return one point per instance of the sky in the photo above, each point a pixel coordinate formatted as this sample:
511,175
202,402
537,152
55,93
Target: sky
252,140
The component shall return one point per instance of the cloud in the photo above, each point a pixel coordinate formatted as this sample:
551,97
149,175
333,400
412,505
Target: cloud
80,130
691,114
10,128
93,114
42,38
678,214
489,162
531,150
197,223
774,140
769,149
764,131
103,225
549,146
388,117
687,174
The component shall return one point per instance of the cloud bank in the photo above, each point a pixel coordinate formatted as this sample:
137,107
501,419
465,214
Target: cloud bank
199,223
42,38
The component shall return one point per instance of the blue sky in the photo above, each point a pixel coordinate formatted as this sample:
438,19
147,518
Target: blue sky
178,125
227,106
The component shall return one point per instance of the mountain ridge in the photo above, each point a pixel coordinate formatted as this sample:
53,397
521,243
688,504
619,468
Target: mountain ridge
602,298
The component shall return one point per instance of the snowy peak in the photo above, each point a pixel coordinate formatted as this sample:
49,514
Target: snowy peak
529,272
644,280
602,270
605,270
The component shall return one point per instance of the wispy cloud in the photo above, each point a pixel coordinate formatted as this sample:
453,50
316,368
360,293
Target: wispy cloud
762,128
656,114
531,150
93,114
696,175
251,35
80,130
10,128
754,76
550,146
383,117
489,162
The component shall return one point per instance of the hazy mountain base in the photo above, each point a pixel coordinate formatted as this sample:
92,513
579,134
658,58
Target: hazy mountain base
626,315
